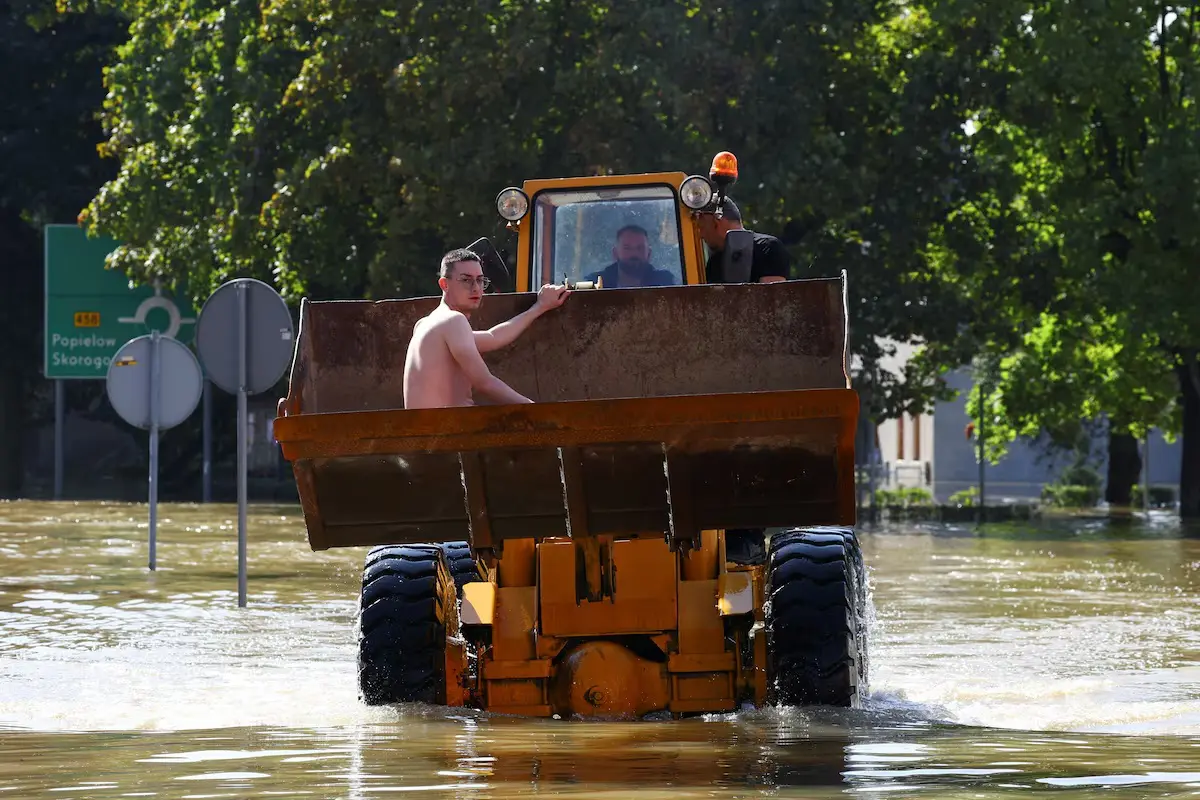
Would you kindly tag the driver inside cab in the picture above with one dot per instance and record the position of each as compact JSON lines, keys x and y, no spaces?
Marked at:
{"x":632,"y":266}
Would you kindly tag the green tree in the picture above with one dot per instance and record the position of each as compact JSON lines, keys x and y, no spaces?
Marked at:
{"x":1106,"y":96}
{"x":337,"y":149}
{"x":1068,"y":373}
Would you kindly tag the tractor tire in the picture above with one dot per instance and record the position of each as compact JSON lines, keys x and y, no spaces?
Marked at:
{"x":463,"y":566}
{"x":746,"y":546}
{"x":816,"y":618}
{"x":406,"y":611}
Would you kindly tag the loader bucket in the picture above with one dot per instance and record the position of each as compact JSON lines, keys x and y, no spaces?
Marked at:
{"x":661,"y":411}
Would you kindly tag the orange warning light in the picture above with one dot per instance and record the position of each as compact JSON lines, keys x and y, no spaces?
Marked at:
{"x":724,"y":165}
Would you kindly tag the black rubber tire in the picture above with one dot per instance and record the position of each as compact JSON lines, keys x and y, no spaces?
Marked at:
{"x":746,"y":546}
{"x":463,"y":566}
{"x":401,"y":628}
{"x":402,"y":620}
{"x":816,"y":618}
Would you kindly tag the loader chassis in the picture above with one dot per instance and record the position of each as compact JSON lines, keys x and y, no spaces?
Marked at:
{"x":567,"y":557}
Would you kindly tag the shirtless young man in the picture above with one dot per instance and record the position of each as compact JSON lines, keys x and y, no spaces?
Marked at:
{"x":444,"y":365}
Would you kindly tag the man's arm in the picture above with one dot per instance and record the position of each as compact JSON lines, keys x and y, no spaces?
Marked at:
{"x":461,"y":342}
{"x":507,"y":332}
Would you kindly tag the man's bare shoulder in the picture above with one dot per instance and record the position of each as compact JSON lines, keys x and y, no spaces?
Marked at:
{"x":446,"y":320}
{"x":446,"y":316}
{"x":440,"y":320}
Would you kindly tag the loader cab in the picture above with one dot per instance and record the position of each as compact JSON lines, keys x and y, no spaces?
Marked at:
{"x":577,"y":229}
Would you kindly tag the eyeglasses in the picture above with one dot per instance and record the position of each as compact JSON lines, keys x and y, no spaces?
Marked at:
{"x":481,"y":282}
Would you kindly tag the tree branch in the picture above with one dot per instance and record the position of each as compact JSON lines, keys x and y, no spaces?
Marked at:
{"x":1108,"y":151}
{"x":1164,"y":79}
{"x":1185,"y":61}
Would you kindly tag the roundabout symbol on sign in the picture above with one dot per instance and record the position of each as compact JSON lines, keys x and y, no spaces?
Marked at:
{"x":158,"y":301}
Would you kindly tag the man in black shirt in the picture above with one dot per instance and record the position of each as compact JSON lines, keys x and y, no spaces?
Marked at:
{"x":770,"y":261}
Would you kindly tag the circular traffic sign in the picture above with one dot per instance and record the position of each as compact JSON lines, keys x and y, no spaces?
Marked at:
{"x":131,"y":380}
{"x":267,"y":346}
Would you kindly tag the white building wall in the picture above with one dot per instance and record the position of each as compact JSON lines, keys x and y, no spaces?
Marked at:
{"x":932,"y":450}
{"x":905,"y":445}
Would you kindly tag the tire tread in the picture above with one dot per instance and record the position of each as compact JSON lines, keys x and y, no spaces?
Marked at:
{"x":815,"y":589}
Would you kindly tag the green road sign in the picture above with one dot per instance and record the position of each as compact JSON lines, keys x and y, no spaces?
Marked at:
{"x":91,"y":311}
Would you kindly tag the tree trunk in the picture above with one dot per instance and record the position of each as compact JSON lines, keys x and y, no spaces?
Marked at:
{"x":1189,"y":476}
{"x":12,"y":432}
{"x":20,"y":327}
{"x":1124,"y":468}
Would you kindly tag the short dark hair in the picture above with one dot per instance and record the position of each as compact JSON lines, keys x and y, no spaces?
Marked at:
{"x":729,"y":209}
{"x":632,"y":229}
{"x":455,"y":256}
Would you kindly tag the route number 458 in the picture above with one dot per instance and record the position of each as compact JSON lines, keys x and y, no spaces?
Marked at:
{"x":87,"y":319}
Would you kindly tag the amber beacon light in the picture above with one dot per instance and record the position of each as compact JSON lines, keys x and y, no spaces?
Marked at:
{"x":724,"y":171}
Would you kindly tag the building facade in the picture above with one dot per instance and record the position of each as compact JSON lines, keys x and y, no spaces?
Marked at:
{"x":933,"y":451}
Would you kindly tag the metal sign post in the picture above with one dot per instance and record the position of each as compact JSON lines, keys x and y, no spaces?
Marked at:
{"x":982,"y":453}
{"x":1146,"y":474}
{"x":155,"y":415}
{"x":244,"y":338}
{"x":60,"y":424}
{"x":154,"y":383}
{"x":242,"y":446}
{"x":206,"y":445}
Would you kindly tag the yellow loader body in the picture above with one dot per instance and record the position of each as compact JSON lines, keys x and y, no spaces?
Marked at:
{"x":569,"y":557}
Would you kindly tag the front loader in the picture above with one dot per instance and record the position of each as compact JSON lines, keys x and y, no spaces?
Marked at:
{"x":568,"y":557}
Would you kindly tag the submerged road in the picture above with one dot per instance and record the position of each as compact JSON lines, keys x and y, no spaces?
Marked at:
{"x":1025,"y":659}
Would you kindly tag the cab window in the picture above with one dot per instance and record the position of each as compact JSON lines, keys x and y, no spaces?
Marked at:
{"x":627,"y":235}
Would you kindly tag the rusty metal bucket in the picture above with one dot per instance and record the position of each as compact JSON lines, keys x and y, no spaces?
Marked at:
{"x":660,"y":411}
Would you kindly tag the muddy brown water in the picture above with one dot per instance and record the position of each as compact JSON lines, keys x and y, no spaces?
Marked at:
{"x":1053,"y":658}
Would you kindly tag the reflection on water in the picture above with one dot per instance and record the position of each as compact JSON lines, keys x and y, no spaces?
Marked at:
{"x":1007,"y":661}
{"x":783,"y":753}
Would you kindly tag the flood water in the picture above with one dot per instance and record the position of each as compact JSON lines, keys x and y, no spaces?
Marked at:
{"x":1058,"y":659}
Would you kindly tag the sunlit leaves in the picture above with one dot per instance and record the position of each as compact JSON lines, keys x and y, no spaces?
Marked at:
{"x":1094,"y":140}
{"x":1071,"y":371}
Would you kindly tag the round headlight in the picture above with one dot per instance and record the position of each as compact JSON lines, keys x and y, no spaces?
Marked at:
{"x":512,"y":203}
{"x":696,"y":192}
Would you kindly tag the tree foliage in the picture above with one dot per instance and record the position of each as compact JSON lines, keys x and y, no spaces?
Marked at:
{"x":1096,"y":121}
{"x":1067,"y":373}
{"x":338,"y":149}
{"x":1006,"y":178}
